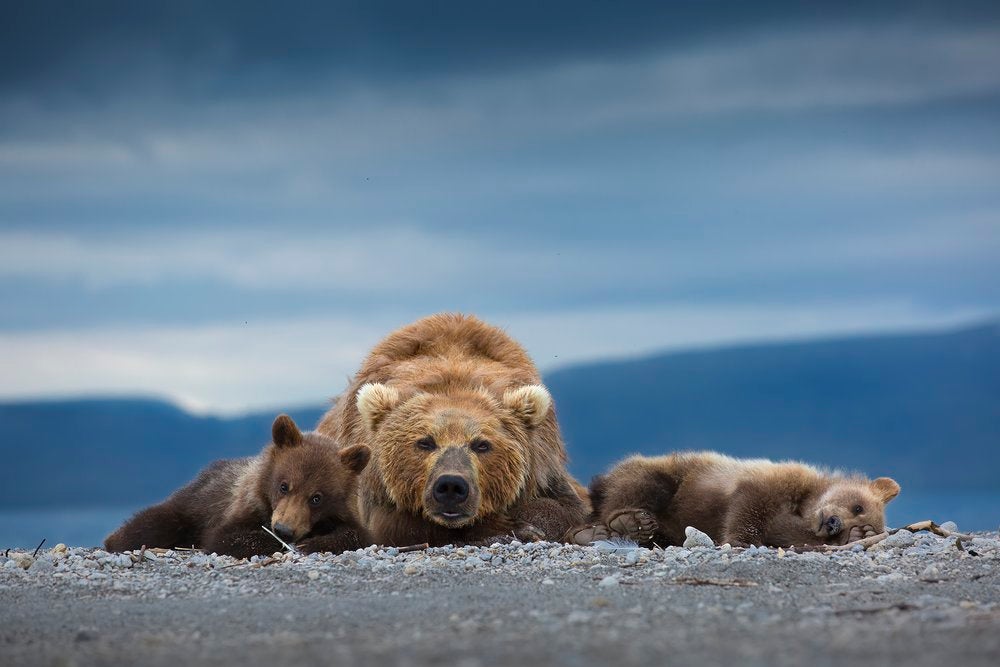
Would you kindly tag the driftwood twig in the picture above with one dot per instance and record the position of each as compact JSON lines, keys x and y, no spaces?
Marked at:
{"x":899,"y":606}
{"x":413,"y":547}
{"x":698,"y":581}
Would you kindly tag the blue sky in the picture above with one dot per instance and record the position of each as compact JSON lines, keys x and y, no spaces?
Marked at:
{"x":228,"y":207}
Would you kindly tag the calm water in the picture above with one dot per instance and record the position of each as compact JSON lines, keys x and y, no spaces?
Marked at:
{"x":88,"y":527}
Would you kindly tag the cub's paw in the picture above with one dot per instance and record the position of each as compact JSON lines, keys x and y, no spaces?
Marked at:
{"x":587,"y":534}
{"x":860,"y":533}
{"x":633,"y":524}
{"x":526,"y":532}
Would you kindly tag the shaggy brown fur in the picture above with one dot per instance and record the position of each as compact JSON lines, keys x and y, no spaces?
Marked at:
{"x":465,"y":443}
{"x":739,"y":501}
{"x":301,"y":485}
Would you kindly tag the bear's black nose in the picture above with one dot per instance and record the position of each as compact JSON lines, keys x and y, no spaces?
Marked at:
{"x":834,"y":525}
{"x":283,"y":531}
{"x":451,"y":490}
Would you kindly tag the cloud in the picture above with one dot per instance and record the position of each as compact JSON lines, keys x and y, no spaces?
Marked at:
{"x":303,"y":362}
{"x":387,"y":261}
{"x":812,"y":68}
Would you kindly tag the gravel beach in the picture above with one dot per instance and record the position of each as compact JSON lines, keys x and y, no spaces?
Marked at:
{"x":916,"y":599}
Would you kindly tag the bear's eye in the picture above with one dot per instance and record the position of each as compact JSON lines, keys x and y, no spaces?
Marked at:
{"x":427,"y":444}
{"x":316,"y":499}
{"x":481,"y":446}
{"x":858,"y":509}
{"x":283,"y":488}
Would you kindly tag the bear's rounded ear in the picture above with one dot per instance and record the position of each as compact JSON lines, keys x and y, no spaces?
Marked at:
{"x":355,"y":458}
{"x":885,"y":488}
{"x":284,"y":432}
{"x":375,"y":401}
{"x":530,"y":403}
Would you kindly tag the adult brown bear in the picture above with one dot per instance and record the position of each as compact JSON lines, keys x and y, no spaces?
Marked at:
{"x":465,"y":444}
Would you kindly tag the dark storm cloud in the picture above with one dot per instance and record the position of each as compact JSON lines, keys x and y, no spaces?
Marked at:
{"x":94,"y":49}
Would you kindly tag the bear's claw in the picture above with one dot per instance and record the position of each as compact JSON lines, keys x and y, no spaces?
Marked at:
{"x":860,"y":533}
{"x":526,"y":532}
{"x":638,"y":525}
{"x":588,"y":534}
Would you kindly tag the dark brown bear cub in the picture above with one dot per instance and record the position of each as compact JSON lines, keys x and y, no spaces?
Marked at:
{"x":301,"y":485}
{"x":739,"y":501}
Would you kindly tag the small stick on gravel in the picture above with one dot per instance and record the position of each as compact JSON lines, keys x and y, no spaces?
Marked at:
{"x":697,"y":581}
{"x":283,"y":543}
{"x":142,"y":554}
{"x":267,"y":561}
{"x":899,"y":606}
{"x":38,"y":548}
{"x":414,"y":547}
{"x":243,"y":562}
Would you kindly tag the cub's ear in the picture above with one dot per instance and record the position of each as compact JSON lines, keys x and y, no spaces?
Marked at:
{"x":375,"y":401}
{"x":885,"y":488}
{"x":284,"y":432}
{"x":530,"y":403}
{"x":355,"y":457}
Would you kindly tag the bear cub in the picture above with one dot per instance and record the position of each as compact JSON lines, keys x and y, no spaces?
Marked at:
{"x":302,"y":485}
{"x":740,"y":501}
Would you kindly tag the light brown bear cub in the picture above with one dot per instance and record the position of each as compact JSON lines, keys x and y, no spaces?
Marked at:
{"x":740,"y":501}
{"x":302,"y":485}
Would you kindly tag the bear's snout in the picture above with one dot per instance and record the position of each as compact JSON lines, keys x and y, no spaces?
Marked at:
{"x":283,"y":531}
{"x":451,"y":490}
{"x":833,"y":525}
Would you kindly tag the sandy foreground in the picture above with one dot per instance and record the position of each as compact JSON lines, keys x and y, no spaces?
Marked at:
{"x":915,"y":600}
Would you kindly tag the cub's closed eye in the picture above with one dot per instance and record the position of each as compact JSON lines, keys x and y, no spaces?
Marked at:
{"x":283,"y":488}
{"x":481,"y":446}
{"x":427,"y":444}
{"x":316,"y":499}
{"x":858,"y":509}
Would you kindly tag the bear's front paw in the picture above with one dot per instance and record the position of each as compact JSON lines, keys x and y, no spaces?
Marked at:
{"x":526,"y":532}
{"x":860,"y":533}
{"x":588,"y":534}
{"x":638,"y":525}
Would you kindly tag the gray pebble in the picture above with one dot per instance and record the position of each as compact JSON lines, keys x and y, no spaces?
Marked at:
{"x":903,"y":538}
{"x":696,"y":538}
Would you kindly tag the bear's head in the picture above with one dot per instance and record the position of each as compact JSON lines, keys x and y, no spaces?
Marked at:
{"x":310,"y":483}
{"x":453,"y":457}
{"x":850,"y":503}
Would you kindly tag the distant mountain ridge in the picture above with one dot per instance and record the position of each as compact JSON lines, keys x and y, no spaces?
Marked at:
{"x":923,"y":408}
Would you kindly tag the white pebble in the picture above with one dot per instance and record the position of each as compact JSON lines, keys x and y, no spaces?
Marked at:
{"x":610,"y":580}
{"x":696,"y":538}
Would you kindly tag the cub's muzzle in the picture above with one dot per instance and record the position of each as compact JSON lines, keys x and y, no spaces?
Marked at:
{"x":831,"y":526}
{"x":283,"y":531}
